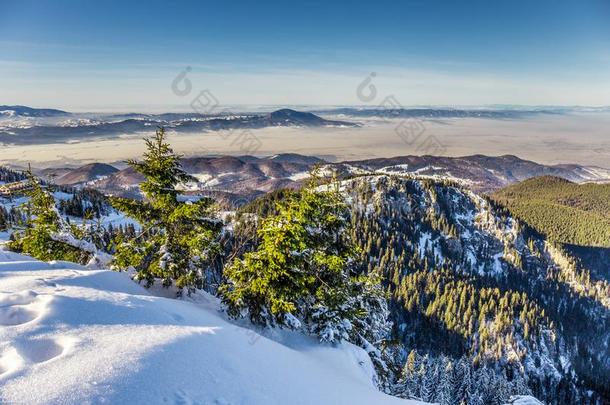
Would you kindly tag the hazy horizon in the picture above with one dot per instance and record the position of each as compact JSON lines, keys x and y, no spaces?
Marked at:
{"x":561,"y":139}
{"x":120,"y":57}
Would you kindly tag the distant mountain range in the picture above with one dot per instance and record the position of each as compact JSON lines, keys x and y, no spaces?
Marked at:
{"x":82,"y":175}
{"x":78,"y":127}
{"x":432,"y":113}
{"x":23,"y":111}
{"x":236,"y":178}
{"x":21,"y":125}
{"x":245,"y":177}
{"x":479,"y":172}
{"x":292,"y":117}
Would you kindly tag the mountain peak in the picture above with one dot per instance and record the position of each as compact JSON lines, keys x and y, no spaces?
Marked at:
{"x":286,"y":114}
{"x":86,"y":173}
{"x":24,"y":111}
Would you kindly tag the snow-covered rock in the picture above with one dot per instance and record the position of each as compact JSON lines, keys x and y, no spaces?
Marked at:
{"x":523,"y":400}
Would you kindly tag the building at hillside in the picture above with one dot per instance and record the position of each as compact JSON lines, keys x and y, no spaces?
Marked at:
{"x":9,"y":190}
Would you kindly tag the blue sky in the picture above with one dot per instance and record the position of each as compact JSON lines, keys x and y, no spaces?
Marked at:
{"x":106,"y":54}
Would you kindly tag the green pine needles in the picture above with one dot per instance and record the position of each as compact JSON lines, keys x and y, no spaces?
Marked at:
{"x":177,"y":242}
{"x":45,"y":228}
{"x":303,"y":272}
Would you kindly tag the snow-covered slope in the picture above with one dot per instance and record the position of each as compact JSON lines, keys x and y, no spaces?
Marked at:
{"x":72,"y":335}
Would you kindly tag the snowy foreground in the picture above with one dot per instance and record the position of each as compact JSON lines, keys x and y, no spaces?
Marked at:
{"x":73,"y":335}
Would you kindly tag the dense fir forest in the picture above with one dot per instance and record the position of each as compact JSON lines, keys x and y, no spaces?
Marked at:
{"x":8,"y":176}
{"x":466,"y":279}
{"x":566,"y":212}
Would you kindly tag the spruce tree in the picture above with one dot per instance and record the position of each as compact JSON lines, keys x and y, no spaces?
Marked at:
{"x":445,"y":389}
{"x":3,"y":219}
{"x":411,"y":374}
{"x":46,"y":235}
{"x":303,"y":273}
{"x":177,"y":241}
{"x":427,"y":388}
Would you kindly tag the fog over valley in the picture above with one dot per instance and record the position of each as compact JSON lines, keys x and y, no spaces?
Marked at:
{"x":549,"y":138}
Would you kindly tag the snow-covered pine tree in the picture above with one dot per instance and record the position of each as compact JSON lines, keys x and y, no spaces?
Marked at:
{"x":400,"y":388}
{"x":465,"y":373}
{"x":303,"y":273}
{"x":454,"y":384}
{"x":475,"y":398}
{"x":427,"y":389}
{"x":410,"y":379}
{"x":178,"y":239}
{"x":372,"y":330}
{"x":3,"y":219}
{"x":46,"y":235}
{"x":437,"y":376}
{"x":445,"y":388}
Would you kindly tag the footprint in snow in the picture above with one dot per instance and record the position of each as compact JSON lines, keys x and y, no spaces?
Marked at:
{"x":20,"y":308}
{"x":48,"y":283}
{"x":40,"y":350}
{"x":32,"y":351}
{"x":177,"y":317}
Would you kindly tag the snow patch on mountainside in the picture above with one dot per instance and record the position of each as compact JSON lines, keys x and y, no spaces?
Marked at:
{"x":593,"y":173}
{"x":523,"y":400}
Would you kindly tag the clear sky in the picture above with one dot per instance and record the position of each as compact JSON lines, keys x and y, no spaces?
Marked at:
{"x":104,"y":54}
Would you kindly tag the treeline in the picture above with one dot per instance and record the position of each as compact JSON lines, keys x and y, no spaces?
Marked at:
{"x":9,"y":176}
{"x":83,"y":203}
{"x":11,"y":217}
{"x":450,"y":381}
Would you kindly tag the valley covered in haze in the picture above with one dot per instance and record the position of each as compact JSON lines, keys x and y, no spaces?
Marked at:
{"x":545,"y":135}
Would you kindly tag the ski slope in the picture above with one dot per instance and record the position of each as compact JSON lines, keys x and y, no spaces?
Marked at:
{"x":69,"y":335}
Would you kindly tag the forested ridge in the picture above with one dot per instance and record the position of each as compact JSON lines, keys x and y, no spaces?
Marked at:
{"x":468,"y":279}
{"x":474,"y":292}
{"x":565,"y":212}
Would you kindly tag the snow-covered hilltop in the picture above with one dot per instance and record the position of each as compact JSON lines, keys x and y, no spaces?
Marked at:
{"x":72,"y":335}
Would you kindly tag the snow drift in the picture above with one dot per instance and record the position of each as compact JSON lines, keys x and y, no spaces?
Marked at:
{"x":72,"y":335}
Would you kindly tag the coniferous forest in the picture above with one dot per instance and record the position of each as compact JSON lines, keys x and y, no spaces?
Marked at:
{"x":474,"y":292}
{"x":565,"y":212}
